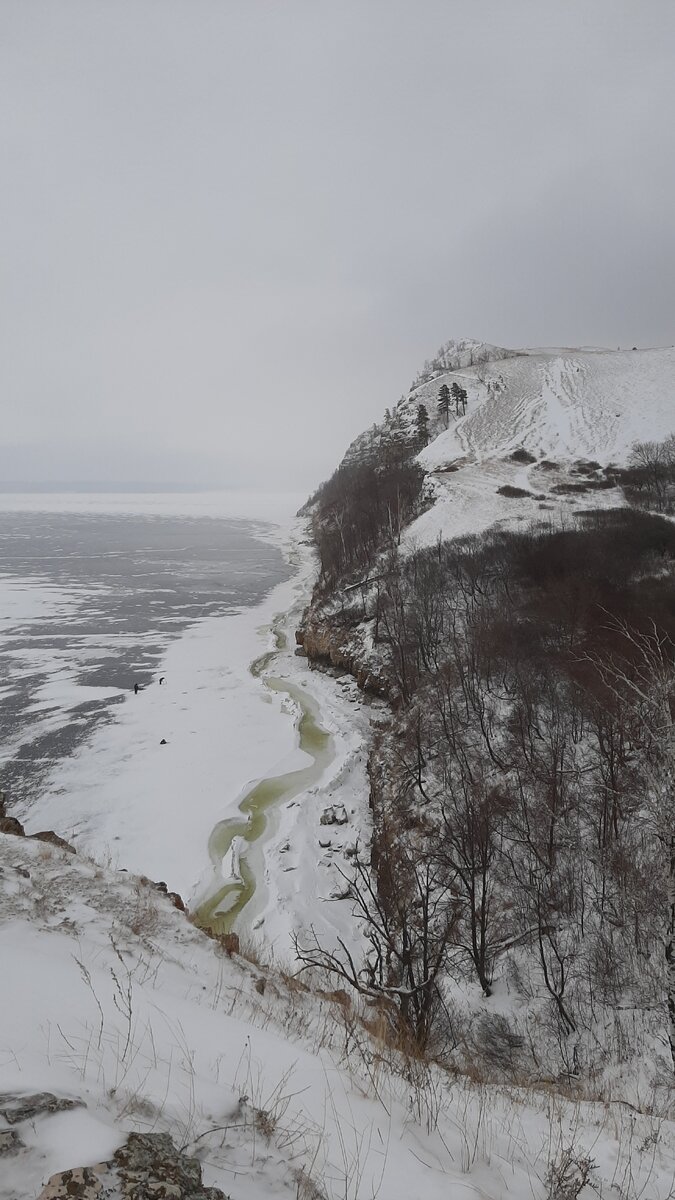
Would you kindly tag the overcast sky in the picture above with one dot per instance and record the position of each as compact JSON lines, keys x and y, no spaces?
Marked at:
{"x":231,"y":231}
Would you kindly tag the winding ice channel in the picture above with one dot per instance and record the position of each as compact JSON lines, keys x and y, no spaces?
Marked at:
{"x":225,"y":903}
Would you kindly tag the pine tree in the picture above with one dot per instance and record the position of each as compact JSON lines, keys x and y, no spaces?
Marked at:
{"x":444,"y":402}
{"x":459,"y":396}
{"x":422,"y":422}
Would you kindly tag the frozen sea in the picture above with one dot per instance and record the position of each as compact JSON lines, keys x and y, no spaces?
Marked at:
{"x":93,"y":590}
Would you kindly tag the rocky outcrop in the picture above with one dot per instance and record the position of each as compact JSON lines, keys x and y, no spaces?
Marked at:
{"x":11,"y":825}
{"x":327,"y":644}
{"x":14,"y":827}
{"x":22,"y":1110}
{"x":48,"y":835}
{"x":174,"y":897}
{"x":10,"y":1143}
{"x":148,"y":1165}
{"x":16,"y":1109}
{"x":335,"y":815}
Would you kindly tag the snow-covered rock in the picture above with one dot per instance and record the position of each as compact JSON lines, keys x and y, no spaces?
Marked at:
{"x":147,"y":1165}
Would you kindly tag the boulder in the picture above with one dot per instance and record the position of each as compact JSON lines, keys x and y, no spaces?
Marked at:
{"x":81,"y":1183}
{"x":10,"y":1143}
{"x":177,"y":901}
{"x":161,"y":886}
{"x":11,"y":825}
{"x":148,"y":1165}
{"x":335,"y":815}
{"x":48,"y":835}
{"x":16,"y":1109}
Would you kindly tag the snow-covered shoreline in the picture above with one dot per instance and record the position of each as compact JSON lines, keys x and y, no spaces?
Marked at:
{"x":148,"y":806}
{"x":147,"y":789}
{"x":297,"y":862}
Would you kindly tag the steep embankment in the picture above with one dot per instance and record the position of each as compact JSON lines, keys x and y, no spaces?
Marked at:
{"x":543,"y":435}
{"x":495,"y":578}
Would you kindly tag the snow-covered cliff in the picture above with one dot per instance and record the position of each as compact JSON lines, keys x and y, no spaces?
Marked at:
{"x":540,"y":423}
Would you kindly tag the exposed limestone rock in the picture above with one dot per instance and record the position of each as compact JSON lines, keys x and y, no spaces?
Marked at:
{"x":11,"y":825}
{"x":10,"y":1143}
{"x":335,"y":815}
{"x":328,"y":645}
{"x":174,"y":897}
{"x":83,"y":1183}
{"x":48,"y":835}
{"x":16,"y":1109}
{"x":148,"y":1165}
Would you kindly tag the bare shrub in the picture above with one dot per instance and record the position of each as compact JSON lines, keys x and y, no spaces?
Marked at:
{"x":568,"y":1175}
{"x":521,"y":455}
{"x":496,"y":1040}
{"x":514,"y":493}
{"x":145,"y":919}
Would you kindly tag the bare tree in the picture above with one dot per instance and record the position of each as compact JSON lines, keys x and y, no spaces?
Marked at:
{"x":407,"y":917}
{"x":642,"y":674}
{"x":652,"y":473}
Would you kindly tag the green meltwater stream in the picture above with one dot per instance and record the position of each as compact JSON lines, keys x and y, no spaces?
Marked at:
{"x":225,"y":903}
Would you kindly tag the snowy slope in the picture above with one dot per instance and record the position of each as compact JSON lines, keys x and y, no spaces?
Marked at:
{"x":560,"y":406}
{"x":113,"y":1000}
{"x":559,"y":403}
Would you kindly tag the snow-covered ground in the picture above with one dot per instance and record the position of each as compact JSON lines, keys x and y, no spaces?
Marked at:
{"x":559,"y":406}
{"x":148,"y":787}
{"x":297,"y":862}
{"x":91,"y":597}
{"x":467,"y":498}
{"x":559,"y":403}
{"x":112,"y":999}
{"x":148,"y":806}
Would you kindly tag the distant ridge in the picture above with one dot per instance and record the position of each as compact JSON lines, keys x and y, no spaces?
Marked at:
{"x":532,"y":417}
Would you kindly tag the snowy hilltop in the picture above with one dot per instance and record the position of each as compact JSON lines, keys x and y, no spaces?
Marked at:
{"x":540,"y":423}
{"x":458,"y":353}
{"x":559,"y":403}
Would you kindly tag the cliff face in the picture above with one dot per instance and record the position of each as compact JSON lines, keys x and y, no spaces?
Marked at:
{"x":538,"y":435}
{"x":327,"y":644}
{"x":463,"y":545}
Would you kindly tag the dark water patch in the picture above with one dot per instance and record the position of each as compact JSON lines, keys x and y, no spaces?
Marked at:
{"x":114,"y":590}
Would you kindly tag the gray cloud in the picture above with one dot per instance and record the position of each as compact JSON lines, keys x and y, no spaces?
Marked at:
{"x":231,"y":230}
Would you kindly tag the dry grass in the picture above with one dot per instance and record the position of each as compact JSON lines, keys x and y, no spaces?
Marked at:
{"x":145,"y":919}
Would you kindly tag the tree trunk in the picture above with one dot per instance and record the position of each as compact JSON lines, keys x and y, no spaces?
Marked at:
{"x":670,"y":950}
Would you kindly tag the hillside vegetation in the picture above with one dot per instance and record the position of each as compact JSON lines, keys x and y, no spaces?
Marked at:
{"x":518,"y":610}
